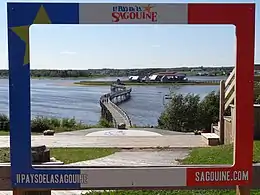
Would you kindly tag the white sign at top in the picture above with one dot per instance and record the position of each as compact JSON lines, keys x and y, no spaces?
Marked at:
{"x":133,"y":13}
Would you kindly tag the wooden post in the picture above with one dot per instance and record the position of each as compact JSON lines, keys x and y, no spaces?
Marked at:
{"x":17,"y":192}
{"x":40,"y":154}
{"x":221,"y":111}
{"x":24,"y":192}
{"x":242,"y":190}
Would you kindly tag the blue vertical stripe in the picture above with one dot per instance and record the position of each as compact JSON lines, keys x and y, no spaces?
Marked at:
{"x":23,"y":14}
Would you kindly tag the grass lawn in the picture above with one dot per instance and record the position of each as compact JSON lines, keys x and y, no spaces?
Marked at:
{"x":2,"y":133}
{"x":213,"y":155}
{"x":68,"y":155}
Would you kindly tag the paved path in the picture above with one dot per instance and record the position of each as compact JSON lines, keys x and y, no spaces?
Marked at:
{"x":139,"y":158}
{"x":160,"y":131}
{"x":126,"y":158}
{"x":123,"y":132}
{"x":119,"y":117}
{"x":173,"y":141}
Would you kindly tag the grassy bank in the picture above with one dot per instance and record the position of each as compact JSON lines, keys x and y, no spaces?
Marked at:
{"x":213,"y":155}
{"x":68,"y":155}
{"x":65,"y":78}
{"x":129,"y":83}
{"x":40,"y":124}
{"x":3,"y":133}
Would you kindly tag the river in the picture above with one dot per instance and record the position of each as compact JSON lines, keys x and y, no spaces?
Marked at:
{"x":58,"y":98}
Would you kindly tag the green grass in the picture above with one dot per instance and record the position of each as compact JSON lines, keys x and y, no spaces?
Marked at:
{"x":214,"y":155}
{"x":68,"y":155}
{"x":217,"y":155}
{"x":129,"y":83}
{"x":3,"y":133}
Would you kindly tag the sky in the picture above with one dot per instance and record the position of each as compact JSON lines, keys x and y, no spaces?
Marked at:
{"x":128,"y":46}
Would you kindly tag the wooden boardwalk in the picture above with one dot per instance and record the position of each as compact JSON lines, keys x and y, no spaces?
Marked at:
{"x":118,"y":114}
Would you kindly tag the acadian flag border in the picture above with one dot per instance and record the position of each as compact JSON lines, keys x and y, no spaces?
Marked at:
{"x":22,"y":15}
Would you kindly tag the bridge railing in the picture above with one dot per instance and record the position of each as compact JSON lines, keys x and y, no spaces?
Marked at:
{"x":117,"y":108}
{"x":122,"y":113}
{"x":111,"y":96}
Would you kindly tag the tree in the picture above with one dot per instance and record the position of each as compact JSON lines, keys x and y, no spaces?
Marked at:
{"x":180,"y":113}
{"x":208,"y":111}
{"x":187,"y":113}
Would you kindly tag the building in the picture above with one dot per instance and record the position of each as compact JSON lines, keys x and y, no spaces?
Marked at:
{"x":135,"y":78}
{"x":154,"y":77}
{"x":168,"y":77}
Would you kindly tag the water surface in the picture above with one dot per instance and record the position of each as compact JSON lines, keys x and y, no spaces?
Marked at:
{"x":61,"y":99}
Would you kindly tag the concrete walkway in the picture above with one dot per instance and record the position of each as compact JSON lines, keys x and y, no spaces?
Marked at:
{"x":139,"y":158}
{"x":91,"y":130}
{"x":173,"y":141}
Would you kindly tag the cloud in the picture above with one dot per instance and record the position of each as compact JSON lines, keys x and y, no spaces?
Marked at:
{"x":68,"y":52}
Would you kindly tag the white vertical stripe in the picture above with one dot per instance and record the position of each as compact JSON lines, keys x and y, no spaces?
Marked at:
{"x":135,"y":177}
{"x":90,"y":13}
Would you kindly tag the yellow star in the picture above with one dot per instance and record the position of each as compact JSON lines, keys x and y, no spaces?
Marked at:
{"x":23,"y":31}
{"x":148,"y":8}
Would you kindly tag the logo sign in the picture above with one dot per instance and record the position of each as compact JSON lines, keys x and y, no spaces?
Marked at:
{"x":22,"y":15}
{"x":122,"y":13}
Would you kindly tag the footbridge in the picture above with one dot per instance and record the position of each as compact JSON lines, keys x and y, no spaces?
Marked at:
{"x":109,"y":105}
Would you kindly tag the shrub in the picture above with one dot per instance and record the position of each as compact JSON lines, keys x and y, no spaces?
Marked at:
{"x":40,"y":124}
{"x":208,"y":111}
{"x":180,"y":113}
{"x":55,"y":122}
{"x":188,"y":113}
{"x":105,"y":123}
{"x":68,"y":123}
{"x":4,"y":122}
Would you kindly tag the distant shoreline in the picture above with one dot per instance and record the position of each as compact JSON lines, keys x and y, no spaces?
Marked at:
{"x":58,"y":78}
{"x":129,"y":83}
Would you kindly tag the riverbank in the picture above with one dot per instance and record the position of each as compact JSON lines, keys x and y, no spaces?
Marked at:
{"x":129,"y":83}
{"x":40,"y":124}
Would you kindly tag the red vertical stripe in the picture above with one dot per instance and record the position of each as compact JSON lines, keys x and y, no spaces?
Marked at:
{"x":243,"y":17}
